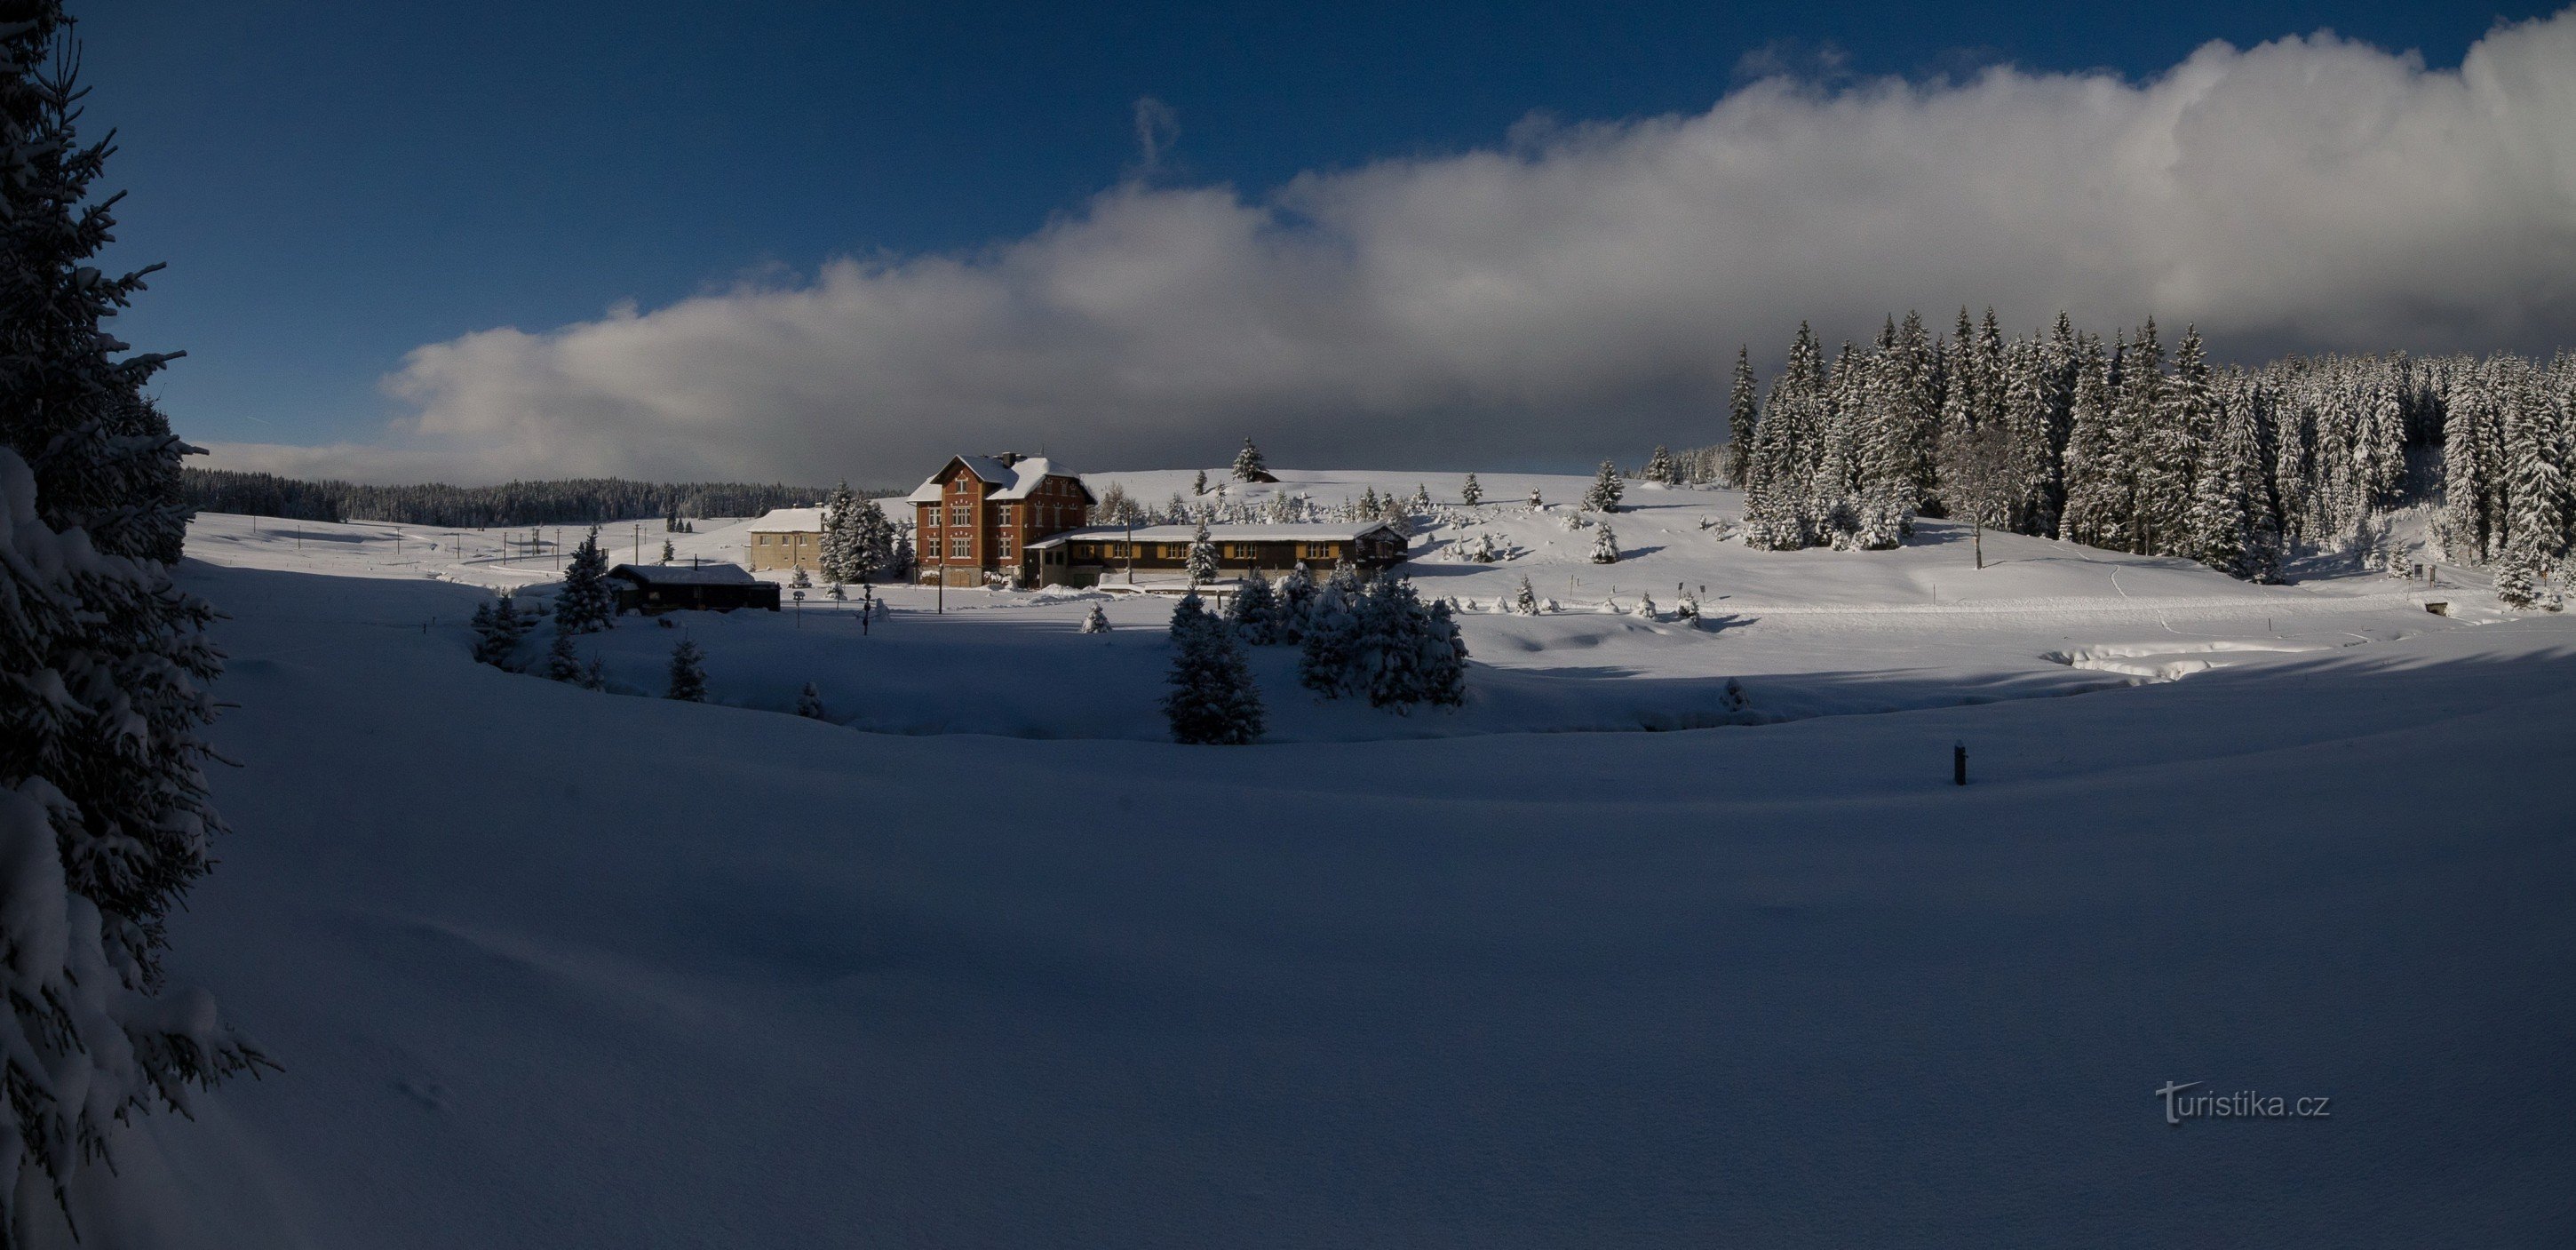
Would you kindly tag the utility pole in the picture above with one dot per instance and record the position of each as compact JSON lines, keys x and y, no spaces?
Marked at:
{"x":639,"y":542}
{"x":867,"y":606}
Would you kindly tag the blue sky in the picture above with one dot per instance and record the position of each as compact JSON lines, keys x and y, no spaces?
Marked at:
{"x":335,"y":185}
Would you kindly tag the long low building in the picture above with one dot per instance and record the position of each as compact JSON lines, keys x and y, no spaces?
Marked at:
{"x":1090,"y":556}
{"x":657,"y":588}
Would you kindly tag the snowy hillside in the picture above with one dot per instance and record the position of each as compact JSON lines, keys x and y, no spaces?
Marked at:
{"x":548,"y":966}
{"x":1802,"y":633}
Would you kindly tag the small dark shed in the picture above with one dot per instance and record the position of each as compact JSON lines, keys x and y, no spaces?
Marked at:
{"x":652,"y":588}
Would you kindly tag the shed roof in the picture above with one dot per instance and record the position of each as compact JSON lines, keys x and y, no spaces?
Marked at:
{"x":684,"y":574}
{"x":1293,"y":532}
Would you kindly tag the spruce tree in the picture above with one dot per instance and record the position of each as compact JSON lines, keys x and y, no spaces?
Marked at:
{"x":840,"y":534}
{"x":1095,"y":621}
{"x":1444,"y":659}
{"x":800,"y":580}
{"x":668,"y":552}
{"x":1330,"y":637}
{"x":1525,"y":601}
{"x":1254,"y":611}
{"x":588,"y":604}
{"x":1605,"y":545}
{"x":688,"y":674}
{"x":1741,"y":414}
{"x":561,"y":664}
{"x":1213,"y":700}
{"x":1470,"y":493}
{"x":1248,"y":464}
{"x":1198,"y":485}
{"x":1606,"y":490}
{"x":1536,"y":503}
{"x":809,"y":703}
{"x":497,"y":629}
{"x":1203,"y":562}
{"x":1296,"y":602}
{"x":1660,"y":467}
{"x":104,"y":667}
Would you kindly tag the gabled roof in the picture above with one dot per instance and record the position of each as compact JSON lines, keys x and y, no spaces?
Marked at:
{"x":1291,"y":532}
{"x":789,"y":520}
{"x":684,"y":574}
{"x":1017,"y":481}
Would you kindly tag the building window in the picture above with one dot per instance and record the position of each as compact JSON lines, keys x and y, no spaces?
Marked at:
{"x":961,"y":514}
{"x":1122,"y":551}
{"x":960,"y":546}
{"x":1316,"y":551}
{"x":1176,"y":551}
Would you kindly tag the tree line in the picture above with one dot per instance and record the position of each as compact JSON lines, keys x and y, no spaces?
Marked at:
{"x":2122,"y":445}
{"x":570,"y":501}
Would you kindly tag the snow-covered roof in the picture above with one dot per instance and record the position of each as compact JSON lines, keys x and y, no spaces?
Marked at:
{"x":710,"y":574}
{"x":1017,"y":480}
{"x":1293,"y":532}
{"x":788,"y":521}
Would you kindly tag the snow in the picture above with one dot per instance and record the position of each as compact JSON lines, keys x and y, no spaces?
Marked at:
{"x":788,"y":521}
{"x":1024,"y":974}
{"x":1293,"y":532}
{"x":1016,"y":480}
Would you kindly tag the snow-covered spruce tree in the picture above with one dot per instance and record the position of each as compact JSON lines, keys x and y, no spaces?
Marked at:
{"x":1198,"y":484}
{"x":2535,"y":485}
{"x":2092,"y":468}
{"x":1470,"y":493}
{"x":872,"y":543}
{"x":1296,"y":594}
{"x":561,"y":663}
{"x":1605,"y":546}
{"x":836,"y":592}
{"x":2469,"y":526}
{"x":1203,"y":563}
{"x":688,"y":674}
{"x":1660,"y":468}
{"x":587,"y":604}
{"x":1212,"y":700}
{"x":1646,"y":607}
{"x":668,"y":552}
{"x":1536,"y":503}
{"x":1525,"y":600}
{"x":1420,"y":503}
{"x":104,"y":664}
{"x":1444,"y":658}
{"x":1254,"y":611}
{"x":497,"y":630}
{"x":1330,"y":636}
{"x":809,"y":703}
{"x":1095,"y":621}
{"x":1741,"y":414}
{"x":1688,"y":608}
{"x":899,"y":558}
{"x":800,"y":580}
{"x":1248,"y":464}
{"x":840,"y":532}
{"x":2231,"y":524}
{"x":1606,"y":489}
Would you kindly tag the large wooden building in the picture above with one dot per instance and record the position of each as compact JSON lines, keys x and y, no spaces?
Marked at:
{"x":976,"y":518}
{"x":1156,"y":556}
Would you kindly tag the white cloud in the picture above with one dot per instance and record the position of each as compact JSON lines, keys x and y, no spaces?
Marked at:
{"x":1580,"y":290}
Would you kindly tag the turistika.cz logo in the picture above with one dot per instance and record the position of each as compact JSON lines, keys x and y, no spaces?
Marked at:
{"x":2245,"y":1104}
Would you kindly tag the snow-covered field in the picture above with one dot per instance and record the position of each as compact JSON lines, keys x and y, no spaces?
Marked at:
{"x":551,"y":967}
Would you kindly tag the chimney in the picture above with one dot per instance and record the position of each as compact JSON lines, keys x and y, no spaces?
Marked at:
{"x":1008,"y":458}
